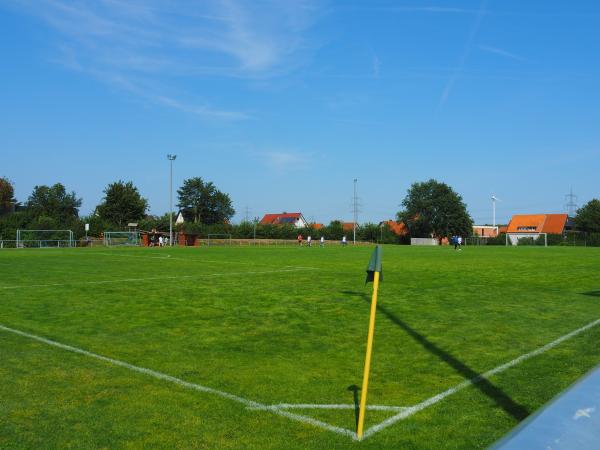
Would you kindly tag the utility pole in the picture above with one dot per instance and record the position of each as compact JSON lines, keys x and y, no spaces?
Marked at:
{"x":171,"y":158}
{"x":255,"y":223}
{"x":571,"y":205}
{"x":355,"y":215}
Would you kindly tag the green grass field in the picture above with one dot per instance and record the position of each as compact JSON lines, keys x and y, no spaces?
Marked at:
{"x":286,"y":327}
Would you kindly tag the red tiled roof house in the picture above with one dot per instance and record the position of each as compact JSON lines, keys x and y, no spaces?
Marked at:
{"x":296,"y":219}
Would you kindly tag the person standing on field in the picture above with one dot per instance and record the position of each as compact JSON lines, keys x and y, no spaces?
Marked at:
{"x":160,"y":241}
{"x":322,"y":241}
{"x":309,"y":240}
{"x":459,"y":239}
{"x":300,"y":240}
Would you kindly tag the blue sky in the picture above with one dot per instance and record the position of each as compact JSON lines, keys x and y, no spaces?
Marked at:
{"x":282,"y":104}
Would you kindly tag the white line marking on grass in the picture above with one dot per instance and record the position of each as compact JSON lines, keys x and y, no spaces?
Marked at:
{"x":173,"y":277}
{"x":333,"y":406}
{"x":244,"y":263}
{"x":277,"y":409}
{"x":453,"y":390}
{"x":186,"y":384}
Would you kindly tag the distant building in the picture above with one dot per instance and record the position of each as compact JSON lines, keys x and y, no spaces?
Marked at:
{"x":349,"y":226}
{"x":398,"y":228}
{"x":533,"y":225}
{"x":296,"y":219}
{"x":540,"y":223}
{"x":485,"y":231}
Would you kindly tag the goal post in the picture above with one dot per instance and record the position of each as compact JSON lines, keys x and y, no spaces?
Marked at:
{"x":219,"y":239}
{"x":44,"y":238}
{"x":116,"y":238}
{"x":523,"y":239}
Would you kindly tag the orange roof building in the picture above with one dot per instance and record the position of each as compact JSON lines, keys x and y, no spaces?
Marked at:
{"x":348,"y":226}
{"x":538,"y":223}
{"x":398,"y":228}
{"x":296,"y":219}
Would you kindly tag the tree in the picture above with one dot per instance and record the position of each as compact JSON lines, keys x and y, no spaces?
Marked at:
{"x":122,"y":203}
{"x":202,"y":202}
{"x":7,"y":196}
{"x":432,"y":208}
{"x":53,"y":202}
{"x":334,"y":231}
{"x":588,"y":217}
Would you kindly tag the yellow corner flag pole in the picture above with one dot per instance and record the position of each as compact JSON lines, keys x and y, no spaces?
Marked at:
{"x":373,"y":271}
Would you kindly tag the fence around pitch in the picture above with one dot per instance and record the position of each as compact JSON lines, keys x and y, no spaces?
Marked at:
{"x":94,"y":242}
{"x":568,"y":239}
{"x":48,"y":243}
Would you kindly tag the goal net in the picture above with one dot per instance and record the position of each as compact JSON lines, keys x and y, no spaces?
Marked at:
{"x":539,"y":239}
{"x":44,"y":238}
{"x":115,"y":238}
{"x":219,"y":239}
{"x":476,"y":240}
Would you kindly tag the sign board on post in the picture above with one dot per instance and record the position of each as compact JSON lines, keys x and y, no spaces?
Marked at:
{"x":87,"y":227}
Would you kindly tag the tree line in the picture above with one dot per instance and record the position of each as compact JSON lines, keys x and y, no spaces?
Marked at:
{"x":53,"y":208}
{"x":429,"y":209}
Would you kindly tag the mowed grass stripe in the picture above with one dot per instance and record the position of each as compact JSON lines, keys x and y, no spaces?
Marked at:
{"x":280,"y":408}
{"x":157,"y":278}
{"x":201,"y":260}
{"x":185,"y":384}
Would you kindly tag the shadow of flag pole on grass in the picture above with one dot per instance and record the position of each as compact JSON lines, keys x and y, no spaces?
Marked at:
{"x":374,"y":274}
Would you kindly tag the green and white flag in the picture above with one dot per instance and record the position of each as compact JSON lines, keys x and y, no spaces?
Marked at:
{"x":375,"y":265}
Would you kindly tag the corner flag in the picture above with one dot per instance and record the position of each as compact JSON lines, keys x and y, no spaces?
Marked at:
{"x":375,"y":265}
{"x":373,"y":274}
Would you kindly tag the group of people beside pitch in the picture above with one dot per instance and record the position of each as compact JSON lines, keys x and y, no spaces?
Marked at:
{"x":300,"y":239}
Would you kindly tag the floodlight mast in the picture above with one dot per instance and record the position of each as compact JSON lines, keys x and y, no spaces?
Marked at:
{"x":494,"y":200}
{"x":171,"y":158}
{"x":355,"y":214}
{"x":493,"y":210}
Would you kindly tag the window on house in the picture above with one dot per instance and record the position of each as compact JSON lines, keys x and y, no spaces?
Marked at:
{"x":526,"y":228}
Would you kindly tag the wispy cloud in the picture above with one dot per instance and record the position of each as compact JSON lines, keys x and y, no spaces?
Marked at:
{"x":150,"y":40}
{"x":285,"y":161}
{"x":501,"y":52}
{"x":376,"y":66}
{"x":465,"y":54}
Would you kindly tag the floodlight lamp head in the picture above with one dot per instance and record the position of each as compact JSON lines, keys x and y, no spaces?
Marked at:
{"x":171,"y":157}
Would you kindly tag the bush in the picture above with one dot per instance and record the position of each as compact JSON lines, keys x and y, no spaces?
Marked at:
{"x":498,"y":240}
{"x":526,"y":241}
{"x":10,"y":223}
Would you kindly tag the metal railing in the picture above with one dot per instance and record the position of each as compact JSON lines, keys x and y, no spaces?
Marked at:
{"x":48,"y":243}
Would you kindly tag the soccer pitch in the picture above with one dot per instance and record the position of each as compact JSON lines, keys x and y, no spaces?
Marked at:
{"x":229,"y":347}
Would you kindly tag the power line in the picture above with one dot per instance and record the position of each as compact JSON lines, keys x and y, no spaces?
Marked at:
{"x":571,"y":205}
